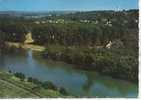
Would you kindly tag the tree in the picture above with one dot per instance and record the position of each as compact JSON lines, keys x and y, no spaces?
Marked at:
{"x":20,"y":75}
{"x":49,"y":85}
{"x":63,"y":91}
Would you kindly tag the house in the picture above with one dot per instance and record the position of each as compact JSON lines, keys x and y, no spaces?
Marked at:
{"x":108,"y":46}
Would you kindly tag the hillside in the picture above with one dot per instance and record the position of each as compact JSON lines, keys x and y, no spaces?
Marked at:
{"x":13,"y":87}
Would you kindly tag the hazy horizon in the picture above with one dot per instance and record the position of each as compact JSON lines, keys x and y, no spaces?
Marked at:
{"x":64,"y":10}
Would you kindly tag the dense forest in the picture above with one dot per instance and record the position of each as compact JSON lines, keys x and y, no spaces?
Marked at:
{"x":105,"y":41}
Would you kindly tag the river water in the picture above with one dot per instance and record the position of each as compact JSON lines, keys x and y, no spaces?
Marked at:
{"x":77,"y":82}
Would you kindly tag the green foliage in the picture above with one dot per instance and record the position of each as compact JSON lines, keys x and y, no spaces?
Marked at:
{"x":10,"y":71}
{"x":2,"y":41}
{"x":30,"y":79}
{"x":20,"y":75}
{"x":46,"y":85}
{"x":102,"y":27}
{"x":33,"y":80}
{"x":49,"y":85}
{"x":119,"y":63}
{"x":63,"y":91}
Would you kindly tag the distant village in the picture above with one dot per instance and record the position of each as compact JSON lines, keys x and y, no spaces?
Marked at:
{"x":107,"y":22}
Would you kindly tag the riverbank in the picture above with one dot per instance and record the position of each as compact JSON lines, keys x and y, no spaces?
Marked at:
{"x":117,"y":63}
{"x":26,"y":46}
{"x":22,"y":88}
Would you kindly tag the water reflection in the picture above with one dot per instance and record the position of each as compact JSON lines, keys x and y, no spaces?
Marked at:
{"x":30,"y":59}
{"x":88,"y":83}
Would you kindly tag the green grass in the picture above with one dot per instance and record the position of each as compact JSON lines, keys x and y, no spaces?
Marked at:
{"x":12,"y":87}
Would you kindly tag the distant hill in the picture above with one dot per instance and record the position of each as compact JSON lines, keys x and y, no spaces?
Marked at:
{"x":46,"y":13}
{"x":23,"y":13}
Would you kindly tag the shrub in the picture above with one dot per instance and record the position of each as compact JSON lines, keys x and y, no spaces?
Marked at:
{"x":63,"y":91}
{"x":33,"y":80}
{"x":20,"y":75}
{"x":49,"y":85}
{"x":30,"y":79}
{"x":10,"y":71}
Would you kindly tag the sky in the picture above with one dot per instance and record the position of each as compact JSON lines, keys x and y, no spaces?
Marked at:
{"x":59,"y":5}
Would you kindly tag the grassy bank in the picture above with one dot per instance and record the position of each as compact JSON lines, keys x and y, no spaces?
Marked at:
{"x":13,"y":87}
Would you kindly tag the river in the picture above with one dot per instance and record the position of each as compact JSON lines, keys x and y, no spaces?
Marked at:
{"x":77,"y":82}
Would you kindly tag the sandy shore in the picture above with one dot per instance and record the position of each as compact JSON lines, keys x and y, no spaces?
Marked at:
{"x":26,"y":46}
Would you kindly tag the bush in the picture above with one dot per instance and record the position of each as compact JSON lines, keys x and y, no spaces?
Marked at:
{"x":49,"y":85}
{"x":20,"y":75}
{"x":36,"y":88}
{"x":33,"y":80}
{"x":30,"y":79}
{"x":63,"y":91}
{"x":10,"y":71}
